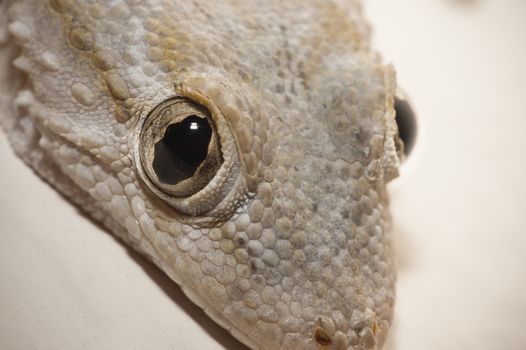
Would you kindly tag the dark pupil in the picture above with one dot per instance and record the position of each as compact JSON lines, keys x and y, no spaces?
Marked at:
{"x":406,"y":121}
{"x":182,"y":149}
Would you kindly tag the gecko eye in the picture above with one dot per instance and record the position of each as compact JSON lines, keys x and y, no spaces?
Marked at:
{"x":187,"y":156}
{"x":406,"y":121}
{"x":180,"y":150}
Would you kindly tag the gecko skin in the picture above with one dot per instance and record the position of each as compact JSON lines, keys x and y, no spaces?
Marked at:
{"x":242,"y":146}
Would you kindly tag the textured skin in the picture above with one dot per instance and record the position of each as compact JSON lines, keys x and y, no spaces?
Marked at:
{"x":296,"y":254}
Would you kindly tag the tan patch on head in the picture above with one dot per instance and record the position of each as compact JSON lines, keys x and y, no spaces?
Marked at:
{"x":103,"y":60}
{"x":81,"y":38}
{"x":335,"y":23}
{"x":83,"y":94}
{"x":60,"y":6}
{"x":117,"y":86}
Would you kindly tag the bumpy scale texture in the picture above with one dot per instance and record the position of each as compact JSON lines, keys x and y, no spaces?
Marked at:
{"x":297,"y":254}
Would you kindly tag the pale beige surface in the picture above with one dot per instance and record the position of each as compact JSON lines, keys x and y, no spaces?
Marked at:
{"x":459,"y":212}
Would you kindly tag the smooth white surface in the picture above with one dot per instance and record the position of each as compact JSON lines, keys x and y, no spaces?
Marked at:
{"x":459,"y":211}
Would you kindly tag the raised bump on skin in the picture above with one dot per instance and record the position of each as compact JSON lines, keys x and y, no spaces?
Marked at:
{"x":82,"y":94}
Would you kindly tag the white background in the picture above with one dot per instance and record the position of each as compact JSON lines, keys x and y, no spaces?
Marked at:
{"x":459,"y":211}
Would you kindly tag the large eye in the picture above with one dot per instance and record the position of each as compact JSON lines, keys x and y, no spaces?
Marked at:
{"x":187,"y":156}
{"x":180,"y":150}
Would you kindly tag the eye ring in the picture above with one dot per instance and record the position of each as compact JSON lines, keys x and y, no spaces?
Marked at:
{"x":217,"y":183}
{"x":180,"y":150}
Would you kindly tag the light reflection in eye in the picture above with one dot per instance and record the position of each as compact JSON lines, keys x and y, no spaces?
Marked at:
{"x":193,"y":126}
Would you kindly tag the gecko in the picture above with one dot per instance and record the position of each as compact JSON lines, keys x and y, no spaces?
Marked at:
{"x":243,"y":147}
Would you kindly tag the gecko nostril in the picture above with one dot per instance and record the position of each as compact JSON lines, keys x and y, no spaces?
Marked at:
{"x":321,"y":337}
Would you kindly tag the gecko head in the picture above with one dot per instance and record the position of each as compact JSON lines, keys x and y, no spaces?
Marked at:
{"x":290,"y":218}
{"x":247,"y":157}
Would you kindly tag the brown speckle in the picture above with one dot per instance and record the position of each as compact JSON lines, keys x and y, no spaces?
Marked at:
{"x":121,"y":115}
{"x":374,"y":327}
{"x":81,"y":38}
{"x":59,"y":5}
{"x":240,"y":241}
{"x":117,"y":86}
{"x":321,"y":337}
{"x":103,"y":60}
{"x":82,"y":94}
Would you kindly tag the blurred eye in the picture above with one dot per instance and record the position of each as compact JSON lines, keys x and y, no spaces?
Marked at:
{"x":406,"y":121}
{"x":180,"y":149}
